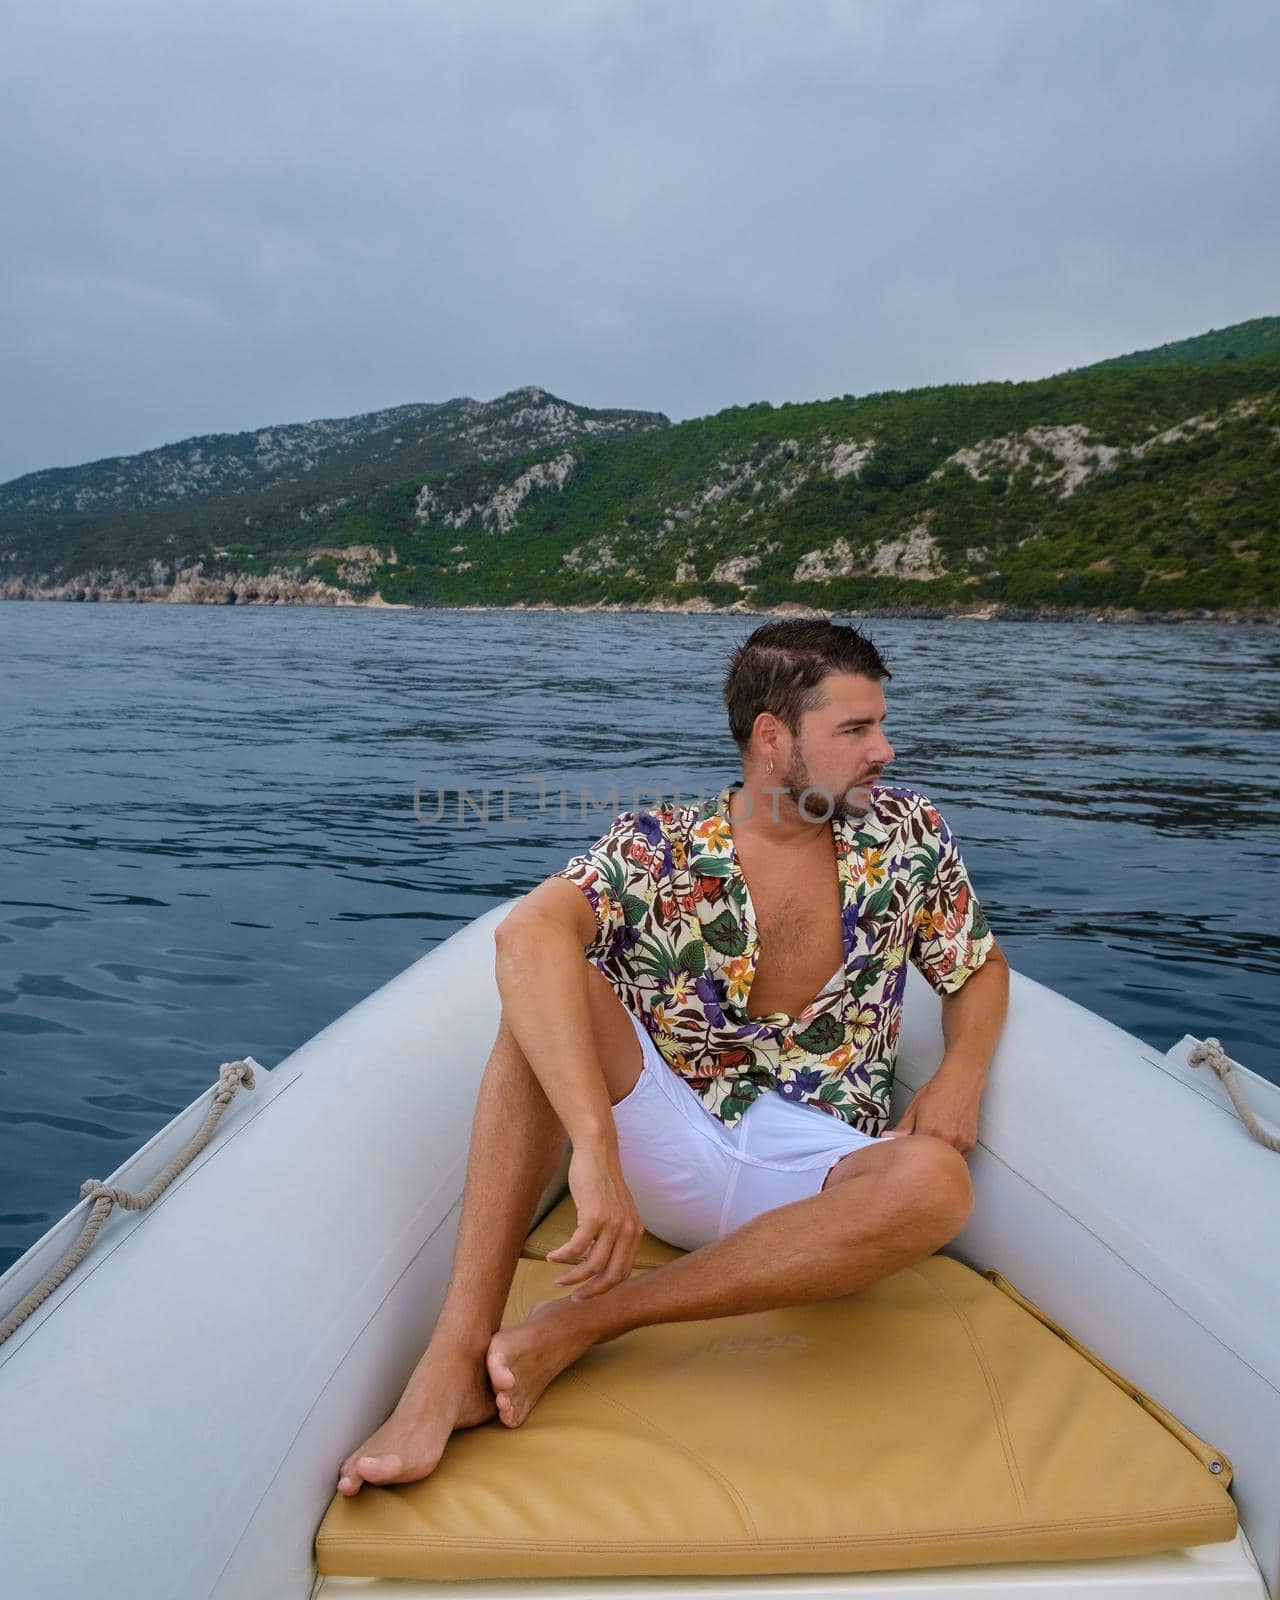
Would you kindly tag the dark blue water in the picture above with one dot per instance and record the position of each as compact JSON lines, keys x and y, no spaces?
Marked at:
{"x":210,"y":846}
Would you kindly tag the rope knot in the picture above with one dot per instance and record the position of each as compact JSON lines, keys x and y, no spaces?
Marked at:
{"x":1210,"y":1054}
{"x":233,"y":1073}
{"x":92,"y":1189}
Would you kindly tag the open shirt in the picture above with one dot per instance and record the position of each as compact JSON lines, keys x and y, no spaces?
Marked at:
{"x":677,"y":938}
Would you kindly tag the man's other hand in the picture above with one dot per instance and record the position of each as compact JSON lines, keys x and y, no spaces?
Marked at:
{"x":609,"y":1226}
{"x":946,"y":1108}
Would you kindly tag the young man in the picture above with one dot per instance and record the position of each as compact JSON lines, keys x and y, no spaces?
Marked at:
{"x":706,"y":1005}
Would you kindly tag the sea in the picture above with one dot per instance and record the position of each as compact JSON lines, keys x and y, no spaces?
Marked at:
{"x":221,"y":827}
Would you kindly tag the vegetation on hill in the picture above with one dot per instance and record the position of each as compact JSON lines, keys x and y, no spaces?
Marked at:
{"x":1260,"y":337}
{"x":1137,"y":484}
{"x":127,"y":512}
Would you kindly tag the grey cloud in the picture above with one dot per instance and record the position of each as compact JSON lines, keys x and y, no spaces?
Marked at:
{"x":227,"y":215}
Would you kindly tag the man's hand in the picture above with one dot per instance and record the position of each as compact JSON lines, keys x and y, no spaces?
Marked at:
{"x":972,"y":1017}
{"x":609,"y":1226}
{"x":946,"y":1107}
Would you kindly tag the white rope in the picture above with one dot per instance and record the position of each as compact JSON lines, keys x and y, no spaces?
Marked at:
{"x":231,"y":1074}
{"x":1211,"y":1054}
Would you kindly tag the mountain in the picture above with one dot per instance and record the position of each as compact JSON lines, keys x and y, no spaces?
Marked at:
{"x":1143,"y":487}
{"x":130,"y":509}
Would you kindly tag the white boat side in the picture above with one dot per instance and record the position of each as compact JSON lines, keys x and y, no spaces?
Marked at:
{"x":175,"y":1413}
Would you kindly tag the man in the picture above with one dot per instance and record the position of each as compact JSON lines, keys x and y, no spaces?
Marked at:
{"x":706,"y":1005}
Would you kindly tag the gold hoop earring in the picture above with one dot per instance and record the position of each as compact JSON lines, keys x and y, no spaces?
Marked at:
{"x":769,"y":768}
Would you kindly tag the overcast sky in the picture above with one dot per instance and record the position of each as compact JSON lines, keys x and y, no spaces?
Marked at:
{"x":222,"y":214}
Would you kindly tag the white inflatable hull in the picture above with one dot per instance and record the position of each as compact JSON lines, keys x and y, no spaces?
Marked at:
{"x":174,"y":1415}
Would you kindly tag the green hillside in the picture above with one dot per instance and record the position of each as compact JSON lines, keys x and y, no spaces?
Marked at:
{"x":1175,"y":505}
{"x":1261,"y":337}
{"x":1142,"y":484}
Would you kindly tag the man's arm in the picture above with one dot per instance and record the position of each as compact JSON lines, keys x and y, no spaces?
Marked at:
{"x":541,"y":970}
{"x":947,"y":1105}
{"x":973,"y":1017}
{"x":542,"y":977}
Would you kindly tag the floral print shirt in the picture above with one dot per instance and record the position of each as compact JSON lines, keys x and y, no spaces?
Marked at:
{"x":677,"y":938}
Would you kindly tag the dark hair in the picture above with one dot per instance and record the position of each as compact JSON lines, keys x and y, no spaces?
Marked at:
{"x":780,"y":668}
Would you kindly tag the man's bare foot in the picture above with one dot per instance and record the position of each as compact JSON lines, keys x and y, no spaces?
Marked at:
{"x":453,"y":1393}
{"x":523,"y":1359}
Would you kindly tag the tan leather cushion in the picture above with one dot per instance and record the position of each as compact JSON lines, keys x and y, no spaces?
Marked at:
{"x":929,"y":1420}
{"x":558,"y":1226}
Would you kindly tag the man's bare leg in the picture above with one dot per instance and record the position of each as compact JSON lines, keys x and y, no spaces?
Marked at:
{"x":883,"y":1208}
{"x":517,"y":1142}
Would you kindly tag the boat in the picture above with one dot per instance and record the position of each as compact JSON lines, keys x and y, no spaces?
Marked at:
{"x":175,"y":1409}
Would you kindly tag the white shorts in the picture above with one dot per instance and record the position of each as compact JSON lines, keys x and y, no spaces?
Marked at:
{"x":693,"y":1179}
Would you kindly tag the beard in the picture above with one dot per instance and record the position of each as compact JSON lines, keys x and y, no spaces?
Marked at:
{"x":796,"y":779}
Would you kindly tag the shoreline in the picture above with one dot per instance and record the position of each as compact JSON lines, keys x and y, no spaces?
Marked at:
{"x":996,"y":612}
{"x":324,"y":595}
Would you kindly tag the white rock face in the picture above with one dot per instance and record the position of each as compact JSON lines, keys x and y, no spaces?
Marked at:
{"x":240,"y":588}
{"x":553,"y":419}
{"x":357,"y":563}
{"x":1180,"y":430}
{"x":502,"y":509}
{"x":848,"y":457}
{"x":1194,"y":425}
{"x":915,"y":555}
{"x":835,"y":561}
{"x":785,"y":466}
{"x":739,"y":476}
{"x":1077,"y":456}
{"x":496,"y":433}
{"x":431,"y":507}
{"x":498,"y":513}
{"x":733,"y":476}
{"x":599,"y":560}
{"x":734,"y":569}
{"x":357,"y":552}
{"x":698,"y":606}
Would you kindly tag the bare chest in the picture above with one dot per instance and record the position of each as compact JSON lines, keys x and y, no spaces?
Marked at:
{"x":798,"y":917}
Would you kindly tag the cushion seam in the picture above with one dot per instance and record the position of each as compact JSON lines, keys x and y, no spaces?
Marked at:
{"x":993,"y":1389}
{"x":836,"y":1542}
{"x":725,"y":1483}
